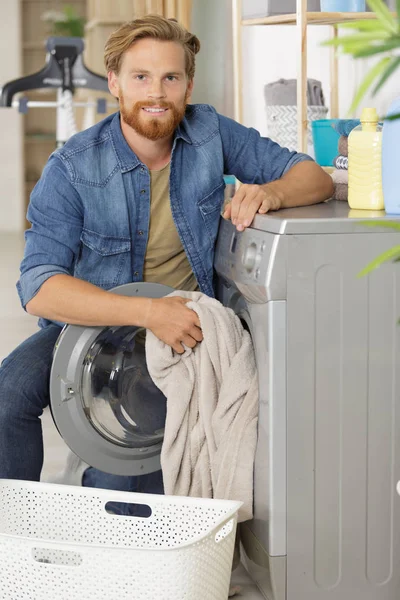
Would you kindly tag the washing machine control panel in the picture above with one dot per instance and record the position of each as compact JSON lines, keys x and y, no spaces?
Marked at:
{"x":253,"y":260}
{"x":251,"y":257}
{"x":243,"y":256}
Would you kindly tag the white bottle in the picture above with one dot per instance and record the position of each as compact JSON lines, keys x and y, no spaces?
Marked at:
{"x":365,"y":163}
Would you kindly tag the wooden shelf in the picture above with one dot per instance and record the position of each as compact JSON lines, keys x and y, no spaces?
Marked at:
{"x":313,"y":18}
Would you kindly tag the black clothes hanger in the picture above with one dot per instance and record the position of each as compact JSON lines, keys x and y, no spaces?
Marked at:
{"x":64,"y":69}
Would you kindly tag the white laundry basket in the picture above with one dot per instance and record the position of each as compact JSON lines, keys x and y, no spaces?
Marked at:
{"x":60,"y":542}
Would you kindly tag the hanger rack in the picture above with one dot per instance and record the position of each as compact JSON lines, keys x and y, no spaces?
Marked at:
{"x":65,"y":71}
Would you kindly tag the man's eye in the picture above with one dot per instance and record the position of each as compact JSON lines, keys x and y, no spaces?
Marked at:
{"x":140,"y":77}
{"x":171,"y":77}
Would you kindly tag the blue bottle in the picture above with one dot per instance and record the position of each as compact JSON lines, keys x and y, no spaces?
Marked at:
{"x":391,"y":161}
{"x":343,"y":6}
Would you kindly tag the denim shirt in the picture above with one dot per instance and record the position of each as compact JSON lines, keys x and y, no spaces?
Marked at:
{"x":90,"y":209}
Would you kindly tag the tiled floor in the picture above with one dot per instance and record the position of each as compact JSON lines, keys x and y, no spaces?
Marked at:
{"x":15,"y":326}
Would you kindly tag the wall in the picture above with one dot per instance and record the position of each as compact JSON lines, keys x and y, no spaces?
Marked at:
{"x":11,"y":124}
{"x":211,"y":22}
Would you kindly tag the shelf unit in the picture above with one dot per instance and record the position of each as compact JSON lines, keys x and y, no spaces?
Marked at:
{"x":301,"y":19}
{"x":316,"y":18}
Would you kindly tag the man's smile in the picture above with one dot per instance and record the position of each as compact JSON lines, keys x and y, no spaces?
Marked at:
{"x":154,"y":110}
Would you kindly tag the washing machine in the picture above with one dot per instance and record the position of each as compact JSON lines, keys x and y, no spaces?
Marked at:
{"x":102,"y":398}
{"x":326,"y":513}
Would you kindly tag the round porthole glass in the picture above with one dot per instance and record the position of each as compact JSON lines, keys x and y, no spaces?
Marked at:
{"x":119,"y":397}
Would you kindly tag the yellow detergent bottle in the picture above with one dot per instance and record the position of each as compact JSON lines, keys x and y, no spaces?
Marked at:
{"x":365,"y":163}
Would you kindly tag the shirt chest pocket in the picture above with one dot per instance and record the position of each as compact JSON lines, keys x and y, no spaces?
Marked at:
{"x":210,"y":208}
{"x":104,"y":261}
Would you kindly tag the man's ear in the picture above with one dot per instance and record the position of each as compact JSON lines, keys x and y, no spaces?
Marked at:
{"x":189,"y":90}
{"x":113,"y":84}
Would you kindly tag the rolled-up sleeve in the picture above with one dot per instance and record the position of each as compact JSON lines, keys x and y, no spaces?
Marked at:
{"x":53,"y":241}
{"x":253,"y":158}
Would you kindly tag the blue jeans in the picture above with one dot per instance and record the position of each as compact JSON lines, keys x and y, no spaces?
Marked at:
{"x":24,"y":393}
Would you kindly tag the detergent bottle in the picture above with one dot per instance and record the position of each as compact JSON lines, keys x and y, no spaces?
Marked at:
{"x":391,"y":160}
{"x":365,"y":163}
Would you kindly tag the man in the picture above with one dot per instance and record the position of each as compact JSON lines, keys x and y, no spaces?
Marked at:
{"x":136,"y":197}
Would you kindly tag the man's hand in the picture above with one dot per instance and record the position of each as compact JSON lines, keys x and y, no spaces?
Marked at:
{"x":249,"y":200}
{"x":303,"y":184}
{"x":173,"y":323}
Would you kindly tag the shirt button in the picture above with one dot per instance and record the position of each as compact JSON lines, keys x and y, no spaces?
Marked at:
{"x":142,"y":170}
{"x":142,"y":191}
{"x":136,"y":273}
{"x":140,"y":232}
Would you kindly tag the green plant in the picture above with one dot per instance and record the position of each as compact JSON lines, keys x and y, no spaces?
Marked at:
{"x":65,"y":23}
{"x":372,"y":37}
{"x":392,"y":254}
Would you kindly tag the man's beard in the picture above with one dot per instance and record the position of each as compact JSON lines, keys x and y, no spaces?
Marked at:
{"x":157,"y":128}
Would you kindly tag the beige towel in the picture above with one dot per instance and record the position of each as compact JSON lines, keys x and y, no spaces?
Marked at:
{"x":340,"y":179}
{"x":340,"y":176}
{"x":341,"y":192}
{"x":212,"y":407}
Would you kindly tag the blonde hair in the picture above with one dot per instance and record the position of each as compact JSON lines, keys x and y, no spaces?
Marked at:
{"x":150,"y":26}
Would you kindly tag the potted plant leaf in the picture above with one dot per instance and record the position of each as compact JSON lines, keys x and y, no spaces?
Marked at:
{"x":65,"y":23}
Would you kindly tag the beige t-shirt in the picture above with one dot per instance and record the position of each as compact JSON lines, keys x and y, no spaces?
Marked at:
{"x":165,"y":260}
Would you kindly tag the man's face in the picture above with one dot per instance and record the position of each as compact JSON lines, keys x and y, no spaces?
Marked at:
{"x":152,"y":87}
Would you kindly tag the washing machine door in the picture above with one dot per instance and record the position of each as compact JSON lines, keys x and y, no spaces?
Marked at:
{"x":103,"y":401}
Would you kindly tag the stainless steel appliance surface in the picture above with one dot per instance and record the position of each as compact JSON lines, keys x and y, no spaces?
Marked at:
{"x":326,"y":520}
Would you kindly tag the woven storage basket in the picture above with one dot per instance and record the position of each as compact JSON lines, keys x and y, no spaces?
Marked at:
{"x":60,"y":541}
{"x":282,"y":124}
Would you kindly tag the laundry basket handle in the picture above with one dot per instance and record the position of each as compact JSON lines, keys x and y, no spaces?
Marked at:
{"x":128,"y":509}
{"x":225,"y":529}
{"x":46,"y":556}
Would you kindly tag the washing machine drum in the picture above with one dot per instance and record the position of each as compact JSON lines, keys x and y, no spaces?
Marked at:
{"x":102,"y":398}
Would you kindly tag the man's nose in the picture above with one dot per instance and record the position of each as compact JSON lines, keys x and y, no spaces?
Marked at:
{"x":156,"y":89}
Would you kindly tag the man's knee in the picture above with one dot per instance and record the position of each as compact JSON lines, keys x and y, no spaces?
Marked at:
{"x":21,"y":396}
{"x":24,"y":377}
